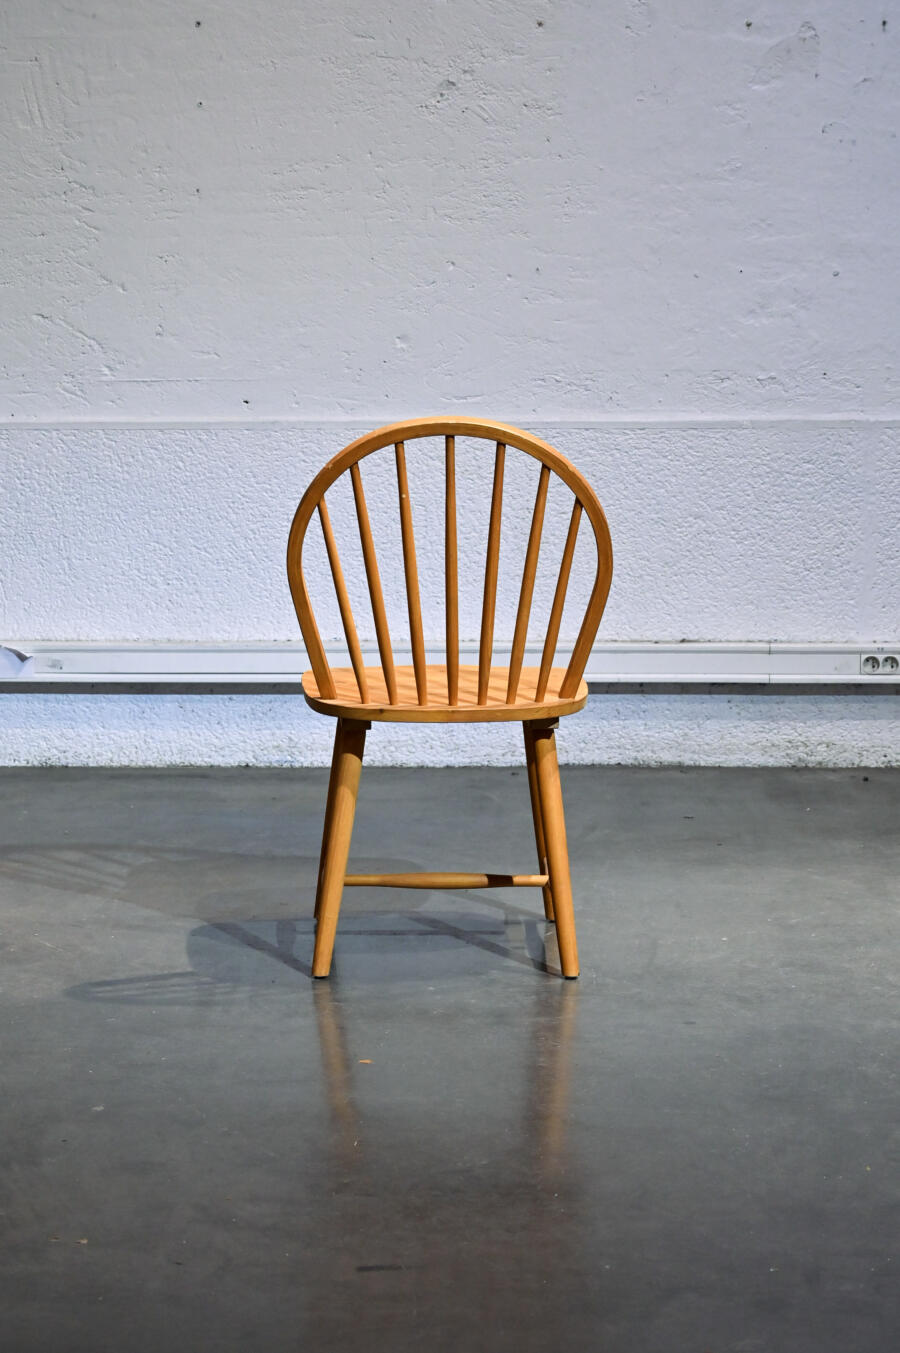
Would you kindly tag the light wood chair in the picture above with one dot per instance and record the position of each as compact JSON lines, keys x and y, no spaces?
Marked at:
{"x":358,"y":695}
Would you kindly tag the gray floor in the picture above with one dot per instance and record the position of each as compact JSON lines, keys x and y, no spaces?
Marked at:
{"x":445,"y":1146}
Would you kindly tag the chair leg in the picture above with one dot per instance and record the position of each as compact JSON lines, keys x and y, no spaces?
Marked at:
{"x":329,"y":812}
{"x":538,"y":817}
{"x":554,"y":823}
{"x":350,"y":741}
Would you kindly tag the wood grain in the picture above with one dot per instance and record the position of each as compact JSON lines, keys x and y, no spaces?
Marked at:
{"x":345,"y":703}
{"x":411,"y":575}
{"x":450,"y":693}
{"x":526,"y":591}
{"x":445,"y":880}
{"x":343,"y":599}
{"x":450,"y":429}
{"x":491,"y":566}
{"x":373,"y":579}
{"x":451,"y":575}
{"x":559,"y":600}
{"x":554,"y":822}
{"x":537,"y":816}
{"x":351,"y":741}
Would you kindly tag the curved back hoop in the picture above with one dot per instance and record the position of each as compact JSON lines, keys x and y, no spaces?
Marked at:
{"x":396,"y":435}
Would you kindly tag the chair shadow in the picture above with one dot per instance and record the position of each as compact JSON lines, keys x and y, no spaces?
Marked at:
{"x":230,"y":957}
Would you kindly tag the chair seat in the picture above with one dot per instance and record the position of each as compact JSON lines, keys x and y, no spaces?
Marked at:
{"x":346,"y":703}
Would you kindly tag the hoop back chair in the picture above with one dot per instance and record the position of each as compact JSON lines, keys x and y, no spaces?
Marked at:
{"x":451,"y":692}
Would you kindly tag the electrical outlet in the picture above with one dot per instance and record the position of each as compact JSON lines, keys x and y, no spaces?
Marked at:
{"x":879,"y":664}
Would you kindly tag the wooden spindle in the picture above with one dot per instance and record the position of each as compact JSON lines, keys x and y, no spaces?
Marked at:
{"x":346,"y":610}
{"x":527,"y":589}
{"x":413,"y":600}
{"x":451,"y":582}
{"x":559,"y":601}
{"x":485,"y":651}
{"x":374,"y":581}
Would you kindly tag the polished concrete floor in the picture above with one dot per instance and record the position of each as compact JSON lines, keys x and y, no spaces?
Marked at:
{"x":445,"y":1146}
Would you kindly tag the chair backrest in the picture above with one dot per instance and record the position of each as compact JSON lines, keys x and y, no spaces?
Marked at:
{"x":397,"y":435}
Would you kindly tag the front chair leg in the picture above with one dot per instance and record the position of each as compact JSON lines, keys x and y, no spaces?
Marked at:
{"x":537,"y":817}
{"x":350,"y":741}
{"x":554,"y":822}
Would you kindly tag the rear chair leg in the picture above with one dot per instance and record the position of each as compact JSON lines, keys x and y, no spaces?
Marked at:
{"x":538,"y":817}
{"x":329,"y":811}
{"x":350,"y":741}
{"x":554,"y":824}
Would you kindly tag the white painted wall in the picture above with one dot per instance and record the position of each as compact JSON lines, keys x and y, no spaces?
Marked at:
{"x":238,"y":235}
{"x":766,"y":531}
{"x":547,"y":210}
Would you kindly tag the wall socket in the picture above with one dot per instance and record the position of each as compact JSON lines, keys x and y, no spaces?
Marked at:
{"x":879,"y":664}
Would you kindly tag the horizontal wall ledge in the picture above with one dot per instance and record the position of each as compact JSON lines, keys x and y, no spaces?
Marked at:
{"x":633,"y":667}
{"x":367,"y":423}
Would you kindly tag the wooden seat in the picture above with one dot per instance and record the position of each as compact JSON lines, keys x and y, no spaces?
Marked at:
{"x":346,"y":702}
{"x":450,"y":692}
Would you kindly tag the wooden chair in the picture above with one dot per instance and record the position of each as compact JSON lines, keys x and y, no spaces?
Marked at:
{"x":450,"y":693}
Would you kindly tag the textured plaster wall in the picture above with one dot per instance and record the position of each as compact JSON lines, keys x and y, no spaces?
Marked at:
{"x":548,"y":210}
{"x":704,"y":730}
{"x":233,"y":231}
{"x":756,"y":532}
